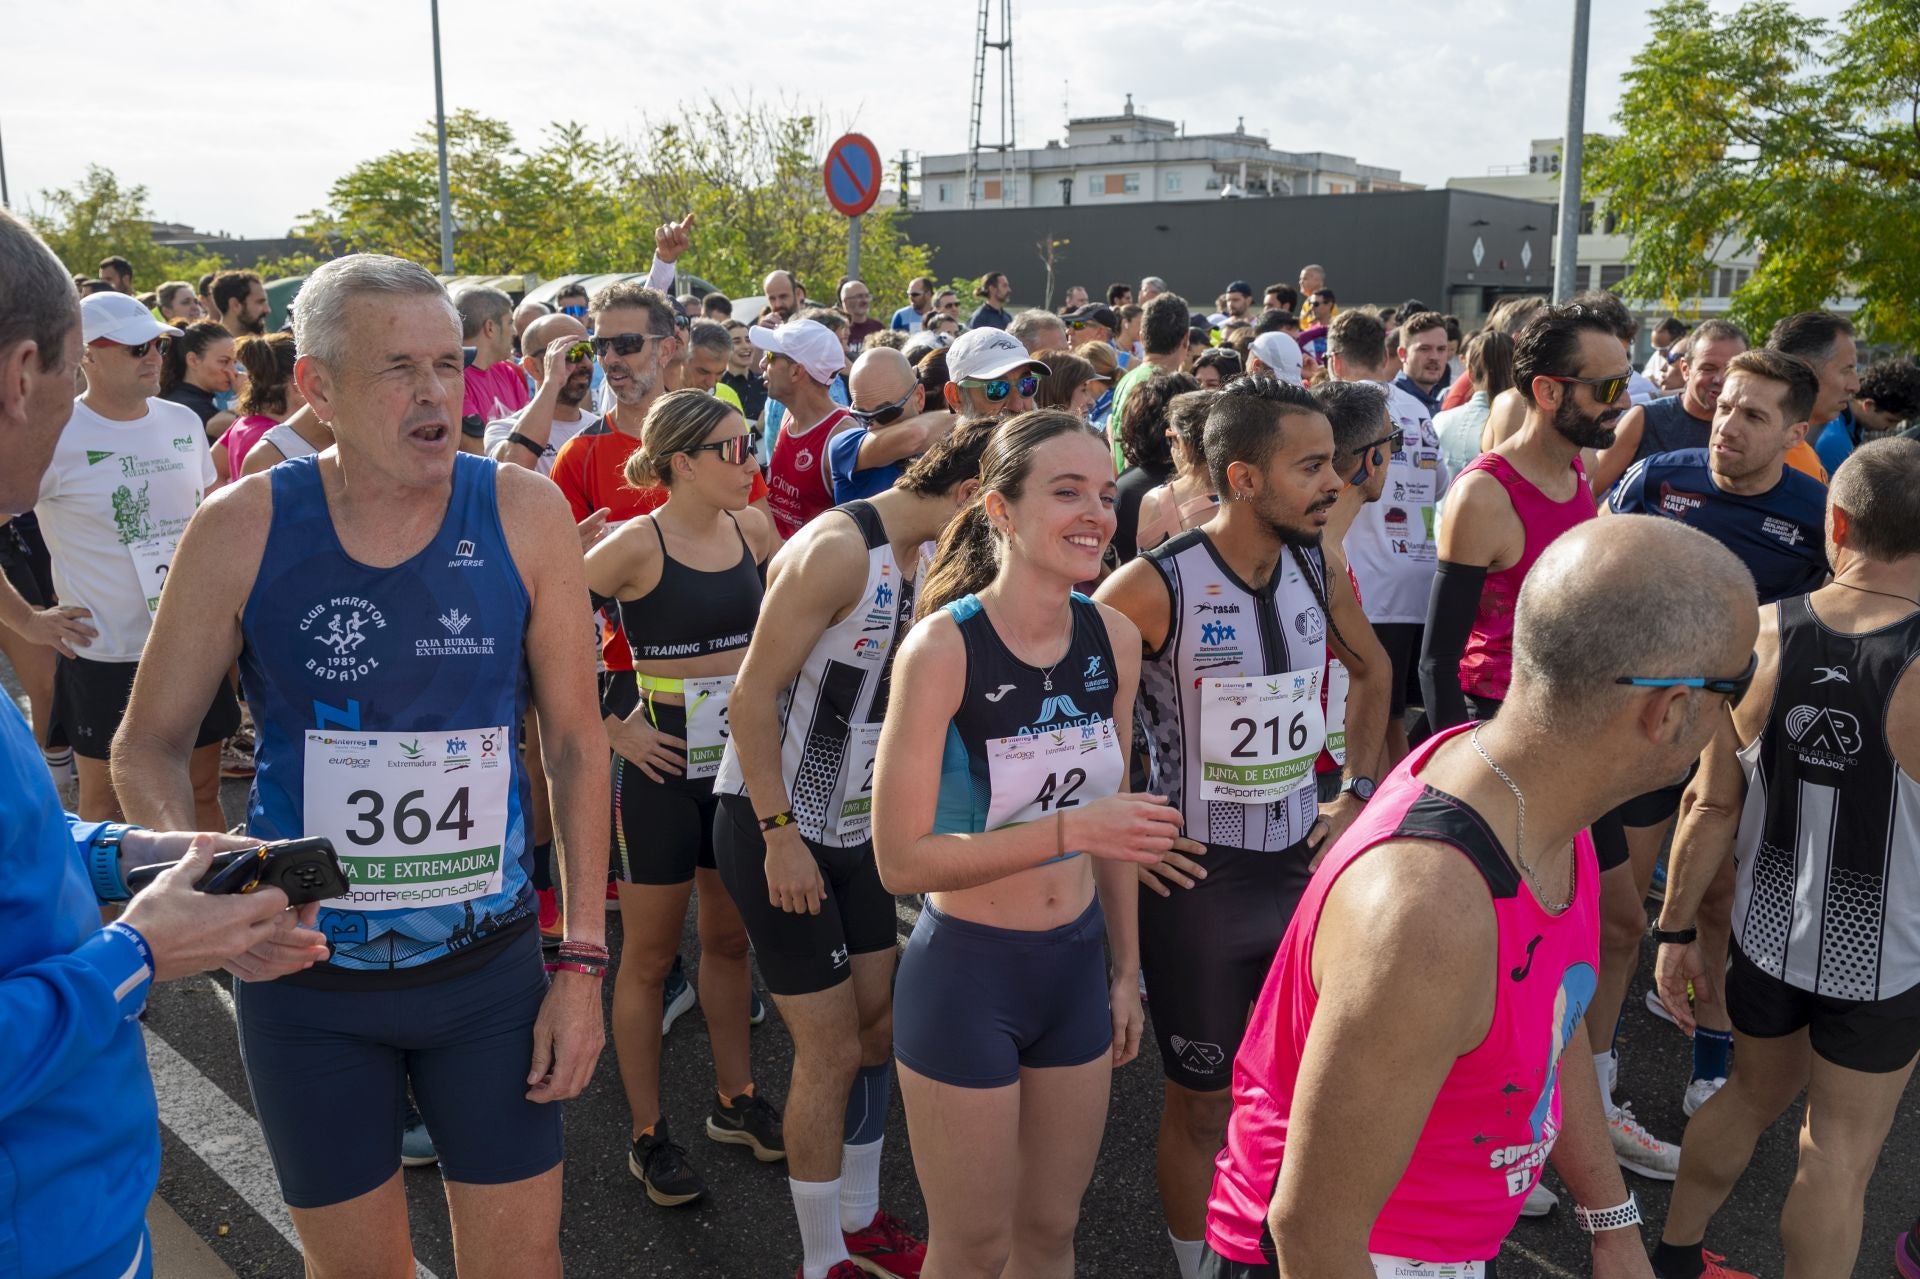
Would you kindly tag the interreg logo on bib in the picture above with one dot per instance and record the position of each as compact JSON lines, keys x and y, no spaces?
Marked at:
{"x":342,"y":627}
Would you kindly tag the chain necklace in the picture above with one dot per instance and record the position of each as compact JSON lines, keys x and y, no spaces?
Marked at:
{"x":1868,"y":590}
{"x":1520,"y":838}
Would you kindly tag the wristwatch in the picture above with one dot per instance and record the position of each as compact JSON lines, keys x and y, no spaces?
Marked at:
{"x":1593,"y":1222}
{"x":1675,"y":937}
{"x":1361,"y":788}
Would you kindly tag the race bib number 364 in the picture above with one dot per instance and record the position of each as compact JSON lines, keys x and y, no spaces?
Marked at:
{"x":419,"y":819}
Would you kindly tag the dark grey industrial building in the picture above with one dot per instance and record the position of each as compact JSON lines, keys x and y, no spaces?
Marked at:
{"x":1459,"y":251}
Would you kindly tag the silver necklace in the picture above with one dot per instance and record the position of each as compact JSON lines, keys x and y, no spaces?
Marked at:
{"x":1520,"y":838}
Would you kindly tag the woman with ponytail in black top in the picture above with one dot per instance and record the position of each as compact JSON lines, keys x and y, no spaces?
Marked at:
{"x":1000,"y":794}
{"x":198,"y":366}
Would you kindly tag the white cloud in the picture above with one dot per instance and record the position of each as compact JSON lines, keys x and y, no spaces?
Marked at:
{"x":238,"y":121}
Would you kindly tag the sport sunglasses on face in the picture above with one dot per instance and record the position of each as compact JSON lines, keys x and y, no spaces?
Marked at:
{"x":999,"y":388}
{"x":1605,"y":389}
{"x":733,"y":452}
{"x":626,"y":343}
{"x":1736,"y":688}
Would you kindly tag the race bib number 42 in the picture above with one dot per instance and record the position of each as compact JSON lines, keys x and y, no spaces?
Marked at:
{"x":419,"y":819}
{"x":1036,"y":775}
{"x":1259,"y":735}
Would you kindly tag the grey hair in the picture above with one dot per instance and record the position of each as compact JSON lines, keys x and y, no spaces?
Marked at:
{"x":1028,"y":327}
{"x":320,"y":312}
{"x":1627,"y":595}
{"x":708,"y":336}
{"x":37,"y":300}
{"x":1153,"y":282}
{"x":477,"y":305}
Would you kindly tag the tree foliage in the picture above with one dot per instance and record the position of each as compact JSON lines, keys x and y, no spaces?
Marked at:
{"x":575,"y":204}
{"x":1769,"y":128}
{"x":98,"y":218}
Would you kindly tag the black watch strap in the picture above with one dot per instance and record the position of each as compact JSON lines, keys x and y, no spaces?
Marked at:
{"x":528,"y":443}
{"x":1678,"y":937}
{"x":775,"y":822}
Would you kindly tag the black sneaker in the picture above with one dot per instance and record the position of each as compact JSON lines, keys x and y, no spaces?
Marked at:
{"x":749,"y":1121}
{"x":661,"y":1164}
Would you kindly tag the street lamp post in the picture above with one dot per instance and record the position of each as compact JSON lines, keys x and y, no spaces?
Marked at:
{"x":440,"y":116}
{"x":1567,"y":251}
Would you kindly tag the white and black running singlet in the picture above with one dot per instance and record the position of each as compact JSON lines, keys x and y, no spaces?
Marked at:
{"x":830,"y":714}
{"x":1231,"y":698}
{"x":1827,"y":891}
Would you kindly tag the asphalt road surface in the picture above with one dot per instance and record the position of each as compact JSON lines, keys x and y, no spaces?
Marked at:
{"x":216,"y":1176}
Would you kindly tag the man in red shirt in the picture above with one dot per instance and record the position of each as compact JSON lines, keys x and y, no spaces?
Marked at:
{"x":803,"y":358}
{"x":496,"y":387}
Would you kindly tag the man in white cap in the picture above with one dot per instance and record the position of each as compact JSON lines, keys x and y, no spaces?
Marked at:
{"x":1276,"y":353}
{"x":990,"y":373}
{"x":128,"y":473}
{"x":803,"y":358}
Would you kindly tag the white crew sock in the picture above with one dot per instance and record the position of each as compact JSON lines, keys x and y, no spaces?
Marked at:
{"x":1603,"y":1072}
{"x":816,"y":1205}
{"x":859,"y":1185}
{"x":1187,"y":1252}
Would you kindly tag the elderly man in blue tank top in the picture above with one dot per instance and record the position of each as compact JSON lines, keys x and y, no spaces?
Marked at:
{"x":397,"y":608}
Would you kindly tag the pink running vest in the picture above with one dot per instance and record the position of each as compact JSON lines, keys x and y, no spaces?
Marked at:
{"x":1496,"y":1116}
{"x":1486,"y":667}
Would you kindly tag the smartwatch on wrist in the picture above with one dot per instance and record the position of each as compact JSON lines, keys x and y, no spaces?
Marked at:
{"x":1676,"y":937}
{"x":1627,"y":1214}
{"x":1361,"y":788}
{"x":528,"y":443}
{"x":103,"y":863}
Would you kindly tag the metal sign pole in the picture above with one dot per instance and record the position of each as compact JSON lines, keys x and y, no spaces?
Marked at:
{"x":853,"y":248}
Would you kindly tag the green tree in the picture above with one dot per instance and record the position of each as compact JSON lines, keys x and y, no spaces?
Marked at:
{"x":1768,"y":128}
{"x":98,"y":218}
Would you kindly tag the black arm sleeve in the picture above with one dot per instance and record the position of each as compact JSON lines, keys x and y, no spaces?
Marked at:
{"x":1454,"y":604}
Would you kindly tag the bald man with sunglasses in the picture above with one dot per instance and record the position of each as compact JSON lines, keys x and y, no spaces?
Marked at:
{"x":892,"y":426}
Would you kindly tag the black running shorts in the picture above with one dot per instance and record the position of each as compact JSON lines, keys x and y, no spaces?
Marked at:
{"x":1875,"y":1037}
{"x":90,"y":699}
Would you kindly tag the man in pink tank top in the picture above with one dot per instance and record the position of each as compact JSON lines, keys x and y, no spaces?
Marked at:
{"x":1398,"y":1090}
{"x":1506,"y":508}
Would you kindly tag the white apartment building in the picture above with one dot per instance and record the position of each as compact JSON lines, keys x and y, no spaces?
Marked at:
{"x":1136,"y":159}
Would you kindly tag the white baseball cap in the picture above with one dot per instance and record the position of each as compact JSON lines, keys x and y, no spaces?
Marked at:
{"x":119,"y":317}
{"x":1279,"y":352}
{"x":807,"y":343}
{"x":988,"y":353}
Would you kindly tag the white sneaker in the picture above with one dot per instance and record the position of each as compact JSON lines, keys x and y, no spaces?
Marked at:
{"x":1540,"y":1201}
{"x":1658,"y":1007}
{"x":1613,"y":1074}
{"x":1639,"y":1150}
{"x":1697,"y":1093}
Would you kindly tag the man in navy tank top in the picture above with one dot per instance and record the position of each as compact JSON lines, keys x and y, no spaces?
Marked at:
{"x":396,"y":608}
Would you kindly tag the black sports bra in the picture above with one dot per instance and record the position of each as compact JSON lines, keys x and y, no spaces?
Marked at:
{"x":690,"y":613}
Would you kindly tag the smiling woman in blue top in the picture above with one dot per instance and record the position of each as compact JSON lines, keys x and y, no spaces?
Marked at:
{"x":1000,"y":792}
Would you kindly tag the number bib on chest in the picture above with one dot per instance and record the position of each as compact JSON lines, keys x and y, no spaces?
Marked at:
{"x":707,"y":728}
{"x":856,"y":809}
{"x":1259,"y":736}
{"x":1337,"y":682}
{"x":419,"y":819}
{"x":1035,"y":775}
{"x":152,"y":557}
{"x":1385,"y":1267}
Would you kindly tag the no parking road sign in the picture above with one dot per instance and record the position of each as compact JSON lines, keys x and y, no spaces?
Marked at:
{"x":853,"y":175}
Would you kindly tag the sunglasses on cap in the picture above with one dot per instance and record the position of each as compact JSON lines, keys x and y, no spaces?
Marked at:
{"x":1735,"y":688}
{"x":1605,"y":389}
{"x":625,"y":343}
{"x":1000,"y":388}
{"x":136,"y":350}
{"x":731,"y":451}
{"x":886,"y":414}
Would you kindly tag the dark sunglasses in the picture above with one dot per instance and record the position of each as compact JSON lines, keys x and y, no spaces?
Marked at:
{"x":1605,"y":389}
{"x":625,"y":343}
{"x":139,"y":350}
{"x":999,"y":388}
{"x":733,"y":452}
{"x":1396,"y":443}
{"x":886,"y":414}
{"x":578,"y":310}
{"x":1077,"y":325}
{"x":1735,"y":688}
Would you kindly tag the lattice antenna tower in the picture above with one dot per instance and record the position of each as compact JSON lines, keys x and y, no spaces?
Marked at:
{"x":985,"y":42}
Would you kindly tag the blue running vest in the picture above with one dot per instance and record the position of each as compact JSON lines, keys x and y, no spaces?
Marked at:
{"x":429,"y":653}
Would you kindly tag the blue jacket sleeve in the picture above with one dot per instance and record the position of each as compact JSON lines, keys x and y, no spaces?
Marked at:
{"x":62,"y":1011}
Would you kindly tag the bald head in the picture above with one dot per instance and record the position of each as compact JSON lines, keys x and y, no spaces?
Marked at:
{"x":879,"y":377}
{"x":548,"y":329}
{"x":1626,"y":595}
{"x":525,"y":314}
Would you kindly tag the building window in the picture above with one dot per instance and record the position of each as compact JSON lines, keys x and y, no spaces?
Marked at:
{"x":1612,"y":275}
{"x":1740,"y":279}
{"x":946,"y":193}
{"x":1116,"y":183}
{"x":1173,"y":183}
{"x":1096,"y":185}
{"x":1130,"y":184}
{"x":991,"y":189}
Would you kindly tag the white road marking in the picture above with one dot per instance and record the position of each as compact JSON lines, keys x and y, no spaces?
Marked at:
{"x":223,"y":1133}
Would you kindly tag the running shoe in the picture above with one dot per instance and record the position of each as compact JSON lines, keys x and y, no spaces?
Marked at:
{"x":676,"y":996}
{"x":550,"y":925}
{"x":1639,"y":1150}
{"x":1540,"y":1201}
{"x":416,"y":1143}
{"x":1613,"y":1074}
{"x":661,"y":1164}
{"x":840,"y":1270}
{"x":1906,"y":1252}
{"x":756,"y":1011}
{"x":236,"y":761}
{"x":1697,"y":1093}
{"x":1714,"y":1270}
{"x":750,"y":1121}
{"x":885,"y":1249}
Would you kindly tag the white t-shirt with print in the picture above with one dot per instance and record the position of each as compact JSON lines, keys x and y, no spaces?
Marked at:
{"x":112,"y":506}
{"x":500,"y":428}
{"x":1391,"y":546}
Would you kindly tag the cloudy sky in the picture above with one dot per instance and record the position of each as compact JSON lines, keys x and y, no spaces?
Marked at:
{"x":237,"y":122}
